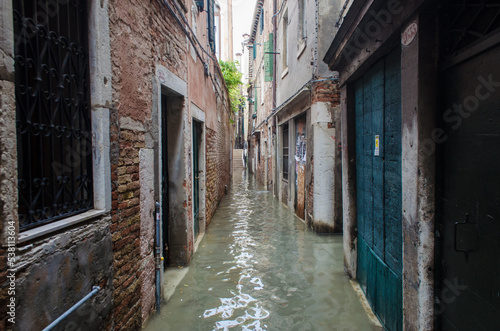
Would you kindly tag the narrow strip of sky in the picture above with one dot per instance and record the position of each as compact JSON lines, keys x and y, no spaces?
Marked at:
{"x":242,"y":19}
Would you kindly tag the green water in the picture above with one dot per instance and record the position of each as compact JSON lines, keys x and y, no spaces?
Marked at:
{"x":259,"y":268}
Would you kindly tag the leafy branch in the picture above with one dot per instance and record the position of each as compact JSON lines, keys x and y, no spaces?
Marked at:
{"x":232,"y":77}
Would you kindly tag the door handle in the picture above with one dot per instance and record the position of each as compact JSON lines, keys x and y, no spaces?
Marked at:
{"x":455,"y":243}
{"x":196,"y":177}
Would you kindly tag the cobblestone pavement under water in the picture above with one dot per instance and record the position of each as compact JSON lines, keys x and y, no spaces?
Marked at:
{"x":258,"y":267}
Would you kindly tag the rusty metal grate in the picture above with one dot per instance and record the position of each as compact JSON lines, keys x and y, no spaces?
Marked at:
{"x":466,"y":22}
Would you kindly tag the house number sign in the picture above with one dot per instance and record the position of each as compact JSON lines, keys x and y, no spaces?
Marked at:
{"x":409,"y":34}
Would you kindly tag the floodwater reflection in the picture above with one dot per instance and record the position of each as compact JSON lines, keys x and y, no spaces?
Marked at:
{"x":259,"y":268}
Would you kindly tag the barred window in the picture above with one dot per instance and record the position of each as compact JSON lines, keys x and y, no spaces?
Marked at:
{"x":53,"y":116}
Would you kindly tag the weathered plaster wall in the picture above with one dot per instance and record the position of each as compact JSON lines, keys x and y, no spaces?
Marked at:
{"x":325,"y":122}
{"x":56,"y":272}
{"x":147,"y":230}
{"x":328,"y":15}
{"x":419,"y":96}
{"x":349,"y":217}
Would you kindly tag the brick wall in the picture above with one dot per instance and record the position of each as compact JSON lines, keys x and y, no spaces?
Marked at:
{"x":326,"y":91}
{"x":218,"y":165}
{"x":143,"y":34}
{"x":125,"y":228}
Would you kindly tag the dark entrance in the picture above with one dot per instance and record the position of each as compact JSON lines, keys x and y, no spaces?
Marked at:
{"x":468,"y":197}
{"x":196,"y":176}
{"x":164,"y":178}
{"x":378,"y":186}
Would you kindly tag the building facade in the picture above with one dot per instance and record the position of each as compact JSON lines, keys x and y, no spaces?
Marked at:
{"x":107,"y":108}
{"x":420,"y":127}
{"x":295,"y":130}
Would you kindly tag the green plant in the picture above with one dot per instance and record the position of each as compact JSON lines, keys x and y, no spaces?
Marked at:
{"x":232,"y":77}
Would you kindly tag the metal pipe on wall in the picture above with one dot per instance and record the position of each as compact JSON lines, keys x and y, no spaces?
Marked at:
{"x":95,"y":289}
{"x":158,"y":258}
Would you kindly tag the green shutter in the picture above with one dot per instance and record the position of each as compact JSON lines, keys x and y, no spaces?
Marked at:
{"x":268,"y":58}
{"x":254,"y":48}
{"x":256,"y":101}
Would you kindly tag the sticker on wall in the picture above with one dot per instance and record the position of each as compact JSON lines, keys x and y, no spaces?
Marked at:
{"x":409,"y":34}
{"x":377,"y":145}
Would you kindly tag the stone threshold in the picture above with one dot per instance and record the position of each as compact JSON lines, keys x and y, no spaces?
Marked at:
{"x":173,"y":276}
{"x":366,"y":306}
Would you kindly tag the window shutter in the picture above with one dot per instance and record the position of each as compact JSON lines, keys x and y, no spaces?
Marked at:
{"x":268,"y":59}
{"x":211,"y":24}
{"x":256,"y":101}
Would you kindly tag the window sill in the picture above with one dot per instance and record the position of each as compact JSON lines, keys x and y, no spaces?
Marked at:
{"x":56,"y":226}
{"x":284,"y":73}
{"x":302,"y":47}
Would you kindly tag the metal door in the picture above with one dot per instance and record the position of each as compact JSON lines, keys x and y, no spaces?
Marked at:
{"x":300,"y":166}
{"x":196,"y":177}
{"x":468,"y":198}
{"x":379,"y":195}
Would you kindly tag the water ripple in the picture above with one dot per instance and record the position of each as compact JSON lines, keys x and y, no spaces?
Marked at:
{"x":259,"y":268}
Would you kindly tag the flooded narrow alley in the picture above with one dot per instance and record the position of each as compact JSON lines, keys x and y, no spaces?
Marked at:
{"x":259,"y":268}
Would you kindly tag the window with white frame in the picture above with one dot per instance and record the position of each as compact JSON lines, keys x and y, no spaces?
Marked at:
{"x":302,"y":31}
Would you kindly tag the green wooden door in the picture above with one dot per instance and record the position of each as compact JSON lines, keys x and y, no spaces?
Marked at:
{"x":379,"y":195}
{"x":196,"y":178}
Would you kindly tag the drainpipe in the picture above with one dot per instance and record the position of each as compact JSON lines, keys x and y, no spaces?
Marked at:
{"x":95,"y":289}
{"x":158,"y":258}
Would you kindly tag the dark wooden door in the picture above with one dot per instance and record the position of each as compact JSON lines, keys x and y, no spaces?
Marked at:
{"x":378,"y":185}
{"x":196,"y":177}
{"x":468,"y":198}
{"x":164,"y":179}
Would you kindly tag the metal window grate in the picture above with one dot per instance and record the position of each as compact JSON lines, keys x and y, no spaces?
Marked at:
{"x":466,"y":22}
{"x":53,"y":110}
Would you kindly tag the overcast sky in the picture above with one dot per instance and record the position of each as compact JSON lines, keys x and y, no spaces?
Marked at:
{"x":242,"y":19}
